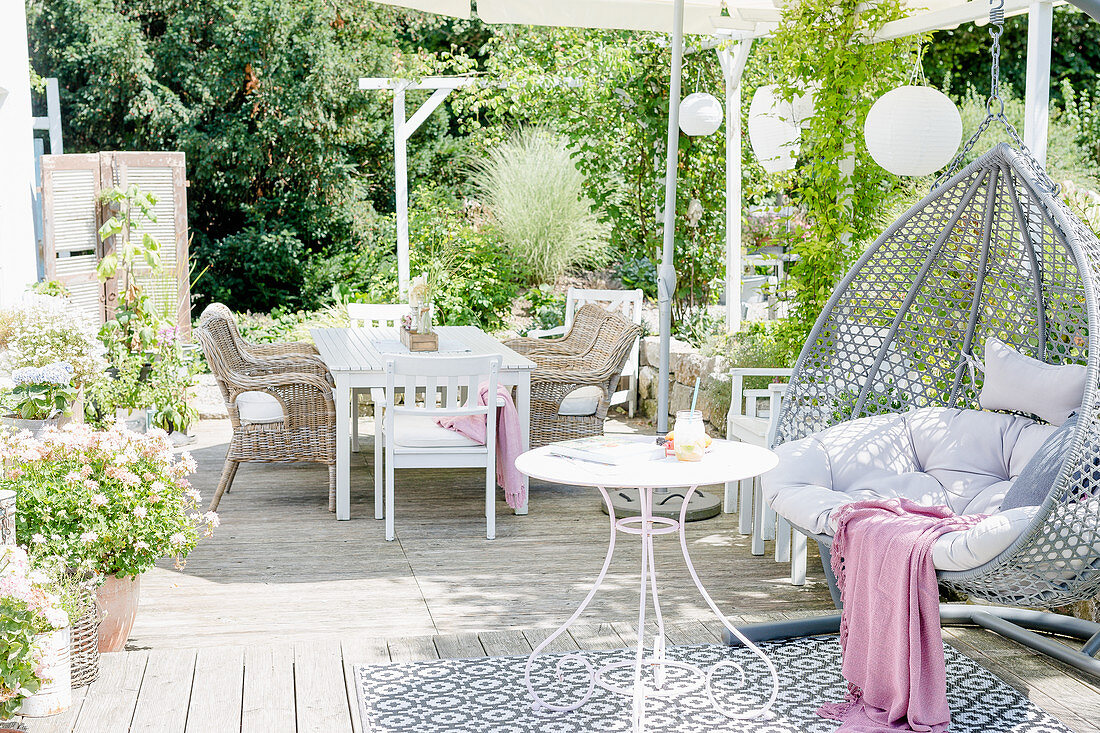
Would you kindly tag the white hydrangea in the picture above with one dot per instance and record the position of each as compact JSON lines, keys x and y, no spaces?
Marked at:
{"x":58,"y":372}
{"x":41,"y":329}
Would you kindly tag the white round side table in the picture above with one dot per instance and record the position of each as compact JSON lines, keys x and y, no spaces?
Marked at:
{"x":724,"y":461}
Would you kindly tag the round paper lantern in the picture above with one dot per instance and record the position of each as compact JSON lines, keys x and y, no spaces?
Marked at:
{"x":913,"y":131}
{"x":700,"y":114}
{"x":773,"y":133}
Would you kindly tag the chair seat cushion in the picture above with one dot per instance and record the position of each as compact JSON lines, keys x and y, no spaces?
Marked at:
{"x":255,"y":408}
{"x":964,"y":459}
{"x":581,"y":402}
{"x":421,"y":431}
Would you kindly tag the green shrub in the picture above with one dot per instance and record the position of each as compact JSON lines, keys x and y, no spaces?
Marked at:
{"x":547,"y":307}
{"x":254,"y":269}
{"x":484,"y":279}
{"x":639,"y":273}
{"x":534,"y":190}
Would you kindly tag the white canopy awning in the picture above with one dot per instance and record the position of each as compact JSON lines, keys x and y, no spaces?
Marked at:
{"x":745,"y":18}
{"x":632,"y":15}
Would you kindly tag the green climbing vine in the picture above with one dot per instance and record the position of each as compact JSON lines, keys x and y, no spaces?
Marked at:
{"x":822,"y":44}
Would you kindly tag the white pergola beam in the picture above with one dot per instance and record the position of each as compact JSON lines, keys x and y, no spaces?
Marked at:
{"x":1040,"y":21}
{"x":971,"y":12}
{"x":428,"y":82}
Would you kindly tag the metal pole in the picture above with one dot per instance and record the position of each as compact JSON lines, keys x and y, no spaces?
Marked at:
{"x":1040,"y":19}
{"x":666,"y":273}
{"x":401,"y":176}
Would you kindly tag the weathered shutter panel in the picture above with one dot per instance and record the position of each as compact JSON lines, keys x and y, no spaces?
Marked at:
{"x":163,"y":175}
{"x":71,"y":185}
{"x":70,"y":216}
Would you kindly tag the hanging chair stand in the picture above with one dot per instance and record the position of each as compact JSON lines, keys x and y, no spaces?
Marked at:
{"x":991,"y":251}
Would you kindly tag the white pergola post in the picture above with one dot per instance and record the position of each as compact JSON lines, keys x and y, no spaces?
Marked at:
{"x":733,"y":65}
{"x":18,"y":267}
{"x":401,"y":176}
{"x":402,"y":131}
{"x":1040,"y":20}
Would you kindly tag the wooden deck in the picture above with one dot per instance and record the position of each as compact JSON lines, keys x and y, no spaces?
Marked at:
{"x":259,"y":631}
{"x":307,"y":687}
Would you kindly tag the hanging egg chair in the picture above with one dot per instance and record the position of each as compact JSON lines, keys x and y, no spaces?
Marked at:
{"x":993,"y":252}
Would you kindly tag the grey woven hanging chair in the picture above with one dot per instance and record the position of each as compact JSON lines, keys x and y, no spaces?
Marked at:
{"x":993,"y":252}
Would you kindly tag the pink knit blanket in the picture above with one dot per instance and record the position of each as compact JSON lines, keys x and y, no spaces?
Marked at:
{"x":509,"y":441}
{"x":890,"y":635}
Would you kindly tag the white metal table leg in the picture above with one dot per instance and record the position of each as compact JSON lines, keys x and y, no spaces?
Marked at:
{"x":762,"y":710}
{"x":539,"y":702}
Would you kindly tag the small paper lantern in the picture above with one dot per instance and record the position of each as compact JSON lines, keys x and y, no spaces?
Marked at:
{"x":773,"y":133}
{"x":913,"y":131}
{"x":700,"y":114}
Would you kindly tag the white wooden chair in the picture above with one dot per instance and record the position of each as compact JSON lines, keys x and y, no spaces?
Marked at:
{"x":410,"y":435}
{"x":627,"y":302}
{"x":371,"y":315}
{"x":748,"y":423}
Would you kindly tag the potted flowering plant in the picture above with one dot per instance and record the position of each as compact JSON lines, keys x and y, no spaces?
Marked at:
{"x":42,"y":329}
{"x":42,"y":396}
{"x":34,"y":631}
{"x":109,"y":503}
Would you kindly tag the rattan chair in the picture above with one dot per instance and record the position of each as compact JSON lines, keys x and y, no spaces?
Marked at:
{"x":580,"y":338}
{"x":299,"y":426}
{"x":561,"y":406}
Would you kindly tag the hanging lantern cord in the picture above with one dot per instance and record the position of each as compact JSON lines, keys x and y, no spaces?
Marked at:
{"x":996,"y":28}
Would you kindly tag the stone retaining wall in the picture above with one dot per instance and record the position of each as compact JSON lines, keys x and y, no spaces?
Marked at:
{"x":685,"y":364}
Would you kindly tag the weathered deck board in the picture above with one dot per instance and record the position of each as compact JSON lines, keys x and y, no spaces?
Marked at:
{"x":320,"y":694}
{"x":169,"y":675}
{"x":110,"y":701}
{"x":268,"y":697}
{"x":217,"y":692}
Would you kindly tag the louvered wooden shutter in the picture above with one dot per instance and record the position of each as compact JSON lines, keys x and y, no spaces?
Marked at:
{"x":161,"y":174}
{"x":70,"y":218}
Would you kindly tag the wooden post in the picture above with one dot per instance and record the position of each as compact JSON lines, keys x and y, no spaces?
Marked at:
{"x":7,"y":518}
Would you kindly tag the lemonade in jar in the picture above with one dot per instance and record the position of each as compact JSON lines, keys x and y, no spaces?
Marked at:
{"x":691,"y":438}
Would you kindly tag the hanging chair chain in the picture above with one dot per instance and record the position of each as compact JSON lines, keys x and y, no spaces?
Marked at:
{"x":996,"y":28}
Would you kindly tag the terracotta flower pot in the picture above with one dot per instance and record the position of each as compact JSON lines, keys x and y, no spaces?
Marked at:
{"x":117,"y":600}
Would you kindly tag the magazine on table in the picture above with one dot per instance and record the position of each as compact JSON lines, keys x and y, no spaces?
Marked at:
{"x":612,"y":450}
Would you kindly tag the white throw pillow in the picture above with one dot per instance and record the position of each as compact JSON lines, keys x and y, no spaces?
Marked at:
{"x":1018,"y":383}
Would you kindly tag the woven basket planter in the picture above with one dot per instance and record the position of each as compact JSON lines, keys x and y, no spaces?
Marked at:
{"x":84,"y":647}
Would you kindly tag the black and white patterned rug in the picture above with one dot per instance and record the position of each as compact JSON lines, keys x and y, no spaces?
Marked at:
{"x":489,"y":696}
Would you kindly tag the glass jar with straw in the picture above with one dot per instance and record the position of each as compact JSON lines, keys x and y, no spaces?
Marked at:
{"x":691,"y":437}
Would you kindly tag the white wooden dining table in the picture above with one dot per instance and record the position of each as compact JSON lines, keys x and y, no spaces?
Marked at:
{"x":357,"y":359}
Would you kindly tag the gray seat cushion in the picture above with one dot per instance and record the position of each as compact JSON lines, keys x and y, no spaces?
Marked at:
{"x":964,"y":459}
{"x":1036,"y":480}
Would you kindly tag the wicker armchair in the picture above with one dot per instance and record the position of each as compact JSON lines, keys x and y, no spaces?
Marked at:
{"x":558,"y":375}
{"x":301,"y":428}
{"x":579,"y":340}
{"x":217,"y":313}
